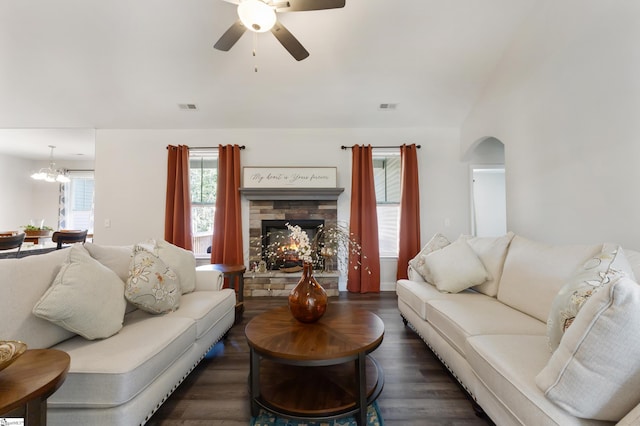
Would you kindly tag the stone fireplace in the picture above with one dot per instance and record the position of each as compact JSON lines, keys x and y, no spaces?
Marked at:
{"x":305,"y":208}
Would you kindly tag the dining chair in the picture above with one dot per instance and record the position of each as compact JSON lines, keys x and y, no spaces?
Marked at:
{"x":12,"y":241}
{"x":69,"y":237}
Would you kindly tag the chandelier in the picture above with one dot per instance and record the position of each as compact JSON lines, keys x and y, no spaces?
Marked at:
{"x":51,"y":174}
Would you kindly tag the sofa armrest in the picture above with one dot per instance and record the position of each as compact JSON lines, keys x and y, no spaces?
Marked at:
{"x":208,"y":279}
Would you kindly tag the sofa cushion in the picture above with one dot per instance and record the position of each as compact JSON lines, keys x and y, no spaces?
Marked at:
{"x":436,"y":242}
{"x":492,"y":251}
{"x":455,"y":267}
{"x":534,"y":273}
{"x":507,"y":366}
{"x":595,"y":372}
{"x":86,"y":297}
{"x":418,"y":294}
{"x":206,"y":308}
{"x":152,"y":286}
{"x":457,"y":321}
{"x":110,"y":372}
{"x":23,"y":282}
{"x":587,"y":280}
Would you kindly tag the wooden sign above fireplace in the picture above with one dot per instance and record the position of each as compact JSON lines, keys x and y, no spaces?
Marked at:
{"x":289,"y":177}
{"x":290,"y":183}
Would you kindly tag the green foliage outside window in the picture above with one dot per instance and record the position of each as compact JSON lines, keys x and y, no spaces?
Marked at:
{"x":203,"y":183}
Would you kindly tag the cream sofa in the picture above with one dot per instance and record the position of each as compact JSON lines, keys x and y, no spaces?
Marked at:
{"x":491,"y":332}
{"x":122,"y":379}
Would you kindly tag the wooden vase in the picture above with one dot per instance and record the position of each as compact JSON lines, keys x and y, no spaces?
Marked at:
{"x":308,"y":300}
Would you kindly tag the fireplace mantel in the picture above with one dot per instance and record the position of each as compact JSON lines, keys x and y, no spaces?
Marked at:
{"x":291,"y":193}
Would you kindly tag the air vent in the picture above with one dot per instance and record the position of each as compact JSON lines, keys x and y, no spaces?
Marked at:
{"x":387,"y":107}
{"x":188,"y":107}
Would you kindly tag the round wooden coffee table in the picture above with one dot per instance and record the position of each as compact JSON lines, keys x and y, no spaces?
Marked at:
{"x":26,"y":384}
{"x":315,"y":371}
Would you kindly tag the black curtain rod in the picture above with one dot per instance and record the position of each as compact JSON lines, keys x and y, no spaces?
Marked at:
{"x":208,"y":147}
{"x":397,"y":146}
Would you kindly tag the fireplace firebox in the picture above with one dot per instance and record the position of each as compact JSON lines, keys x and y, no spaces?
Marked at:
{"x":278,"y":250}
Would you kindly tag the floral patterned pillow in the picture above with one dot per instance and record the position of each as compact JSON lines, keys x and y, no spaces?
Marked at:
{"x":182,"y":261}
{"x":152,"y":286}
{"x":595,"y":274}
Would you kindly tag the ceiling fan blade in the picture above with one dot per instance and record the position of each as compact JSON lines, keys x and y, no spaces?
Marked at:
{"x":289,"y":42}
{"x":231,"y":36}
{"x":302,"y":5}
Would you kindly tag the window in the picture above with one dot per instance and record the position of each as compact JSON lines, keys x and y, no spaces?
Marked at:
{"x":76,"y":201}
{"x":386,"y":173}
{"x":203,"y":175}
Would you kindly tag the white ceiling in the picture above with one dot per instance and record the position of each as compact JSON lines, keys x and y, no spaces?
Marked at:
{"x":92,"y":64}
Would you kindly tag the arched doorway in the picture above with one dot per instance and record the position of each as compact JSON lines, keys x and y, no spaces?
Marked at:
{"x":487,"y":188}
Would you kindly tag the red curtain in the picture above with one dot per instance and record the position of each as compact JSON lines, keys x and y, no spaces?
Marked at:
{"x":364,"y":278}
{"x":177,"y":214}
{"x":226,"y":246}
{"x":409,"y":231}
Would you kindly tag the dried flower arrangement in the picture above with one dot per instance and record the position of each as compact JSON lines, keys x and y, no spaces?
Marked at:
{"x":330,"y":248}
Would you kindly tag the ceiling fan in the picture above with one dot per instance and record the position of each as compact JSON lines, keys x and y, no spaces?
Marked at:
{"x":260,"y":16}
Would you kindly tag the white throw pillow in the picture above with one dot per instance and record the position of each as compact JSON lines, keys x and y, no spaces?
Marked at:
{"x":455,"y":267}
{"x":492,"y":251}
{"x":86,"y":297}
{"x":586,"y":281}
{"x":152,"y":286}
{"x":595,"y":372}
{"x":116,"y":258}
{"x":182,"y":261}
{"x":436,"y":242}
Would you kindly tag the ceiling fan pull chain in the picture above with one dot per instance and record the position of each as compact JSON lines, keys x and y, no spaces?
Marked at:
{"x":255,"y":49}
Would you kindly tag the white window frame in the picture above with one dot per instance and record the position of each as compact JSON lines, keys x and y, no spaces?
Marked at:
{"x":388,"y":236}
{"x":72,"y":218}
{"x":201,"y":240}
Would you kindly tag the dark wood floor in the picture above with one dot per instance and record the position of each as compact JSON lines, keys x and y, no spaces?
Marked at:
{"x":418,"y":390}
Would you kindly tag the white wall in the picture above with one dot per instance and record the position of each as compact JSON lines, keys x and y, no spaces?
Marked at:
{"x":16,"y":190}
{"x":131,"y":173}
{"x":564,"y":100}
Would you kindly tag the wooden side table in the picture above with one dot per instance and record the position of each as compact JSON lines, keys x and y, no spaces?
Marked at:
{"x":26,"y":384}
{"x":235,"y":276}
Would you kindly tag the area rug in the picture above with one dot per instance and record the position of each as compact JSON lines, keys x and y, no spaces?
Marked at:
{"x":265,"y":418}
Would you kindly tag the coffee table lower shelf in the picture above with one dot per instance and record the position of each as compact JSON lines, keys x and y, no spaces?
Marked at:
{"x":316,"y":392}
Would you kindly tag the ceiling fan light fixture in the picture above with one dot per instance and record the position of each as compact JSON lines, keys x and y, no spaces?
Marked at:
{"x":256,"y":15}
